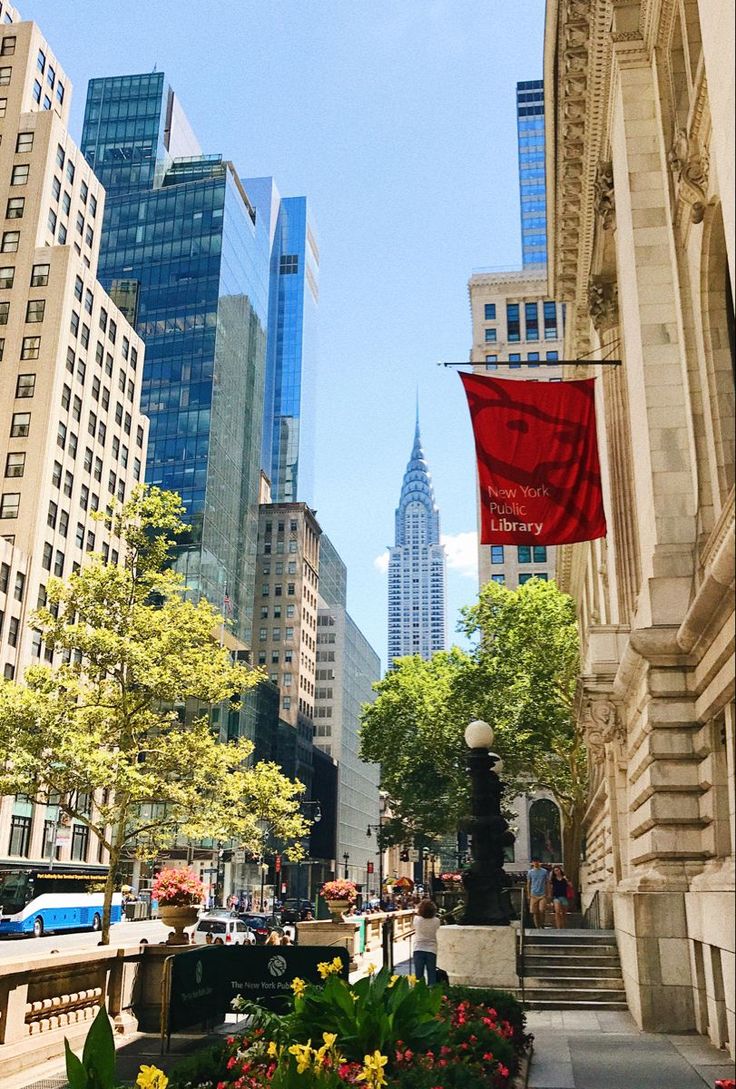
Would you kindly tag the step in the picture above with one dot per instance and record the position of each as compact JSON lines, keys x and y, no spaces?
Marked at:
{"x":566,"y":1004}
{"x":561,"y":940}
{"x":576,"y":994}
{"x":572,"y":983}
{"x":548,"y":958}
{"x":590,"y":971}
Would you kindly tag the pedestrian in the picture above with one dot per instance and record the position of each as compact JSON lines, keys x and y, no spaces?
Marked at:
{"x":285,"y":939}
{"x":426,"y":925}
{"x":274,"y":938}
{"x":536,"y":890}
{"x":558,"y":889}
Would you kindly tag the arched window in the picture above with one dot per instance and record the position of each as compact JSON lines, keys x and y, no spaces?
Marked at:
{"x":545,"y":838}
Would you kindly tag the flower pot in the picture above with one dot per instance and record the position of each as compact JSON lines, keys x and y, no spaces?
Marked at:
{"x":336,"y":909}
{"x":178,"y":916}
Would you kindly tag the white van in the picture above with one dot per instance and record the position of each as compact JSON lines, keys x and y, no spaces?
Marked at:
{"x":222,"y":930}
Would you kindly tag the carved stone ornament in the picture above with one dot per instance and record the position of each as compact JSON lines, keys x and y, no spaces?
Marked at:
{"x":690,"y":165}
{"x":593,"y":737}
{"x":602,"y":727}
{"x":604,"y":200}
{"x":603,"y":303}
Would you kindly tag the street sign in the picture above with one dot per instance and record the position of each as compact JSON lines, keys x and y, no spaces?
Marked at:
{"x":239,"y":856}
{"x":203,"y":981}
{"x":63,"y":835}
{"x":369,"y":868}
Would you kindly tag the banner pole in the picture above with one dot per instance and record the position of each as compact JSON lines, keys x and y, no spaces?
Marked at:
{"x":517,"y":364}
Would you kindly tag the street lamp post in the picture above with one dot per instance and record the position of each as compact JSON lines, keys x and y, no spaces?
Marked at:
{"x":346,"y":859}
{"x":369,"y":832}
{"x":486,"y":883}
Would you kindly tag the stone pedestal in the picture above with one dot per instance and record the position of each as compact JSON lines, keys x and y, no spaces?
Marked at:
{"x":329,"y":934}
{"x":479,"y":956}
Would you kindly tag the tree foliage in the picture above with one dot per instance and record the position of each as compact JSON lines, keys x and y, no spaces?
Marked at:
{"x":521,"y":678}
{"x":119,"y":734}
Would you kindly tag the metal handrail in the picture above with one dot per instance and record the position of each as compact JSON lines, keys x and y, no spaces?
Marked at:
{"x":592,"y":914}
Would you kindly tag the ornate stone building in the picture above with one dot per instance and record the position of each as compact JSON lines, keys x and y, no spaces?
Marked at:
{"x":640,"y":182}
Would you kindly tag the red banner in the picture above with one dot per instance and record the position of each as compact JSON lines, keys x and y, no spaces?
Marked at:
{"x":540,"y":481}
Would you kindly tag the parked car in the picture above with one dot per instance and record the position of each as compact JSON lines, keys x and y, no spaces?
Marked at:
{"x":295,"y":910}
{"x":225,"y":930}
{"x":261,"y":925}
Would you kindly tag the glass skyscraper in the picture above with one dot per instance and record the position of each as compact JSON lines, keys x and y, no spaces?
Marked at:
{"x":187,"y":258}
{"x":289,"y":406}
{"x":530,"y":127}
{"x":417,"y":571}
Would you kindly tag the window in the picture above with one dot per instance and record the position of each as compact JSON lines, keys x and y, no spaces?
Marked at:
{"x":13,"y":627}
{"x":513,"y":322}
{"x":36,"y":91}
{"x":4,"y":311}
{"x":5,"y":74}
{"x":62,"y":235}
{"x":551,"y":355}
{"x":490,"y":336}
{"x":60,"y":92}
{"x":491,"y":363}
{"x":93,"y":205}
{"x":7,"y":47}
{"x":9,"y":504}
{"x":500,"y":579}
{"x":40,"y":275}
{"x":20,"y":425}
{"x":46,"y":557}
{"x":51,"y":221}
{"x":15,"y":465}
{"x":540,"y":553}
{"x":59,"y":155}
{"x":88,"y":300}
{"x":80,"y":222}
{"x":489,"y":311}
{"x":531,"y":319}
{"x":80,"y":842}
{"x":20,"y":173}
{"x":20,"y":833}
{"x":496,"y":553}
{"x":15,"y":207}
{"x":550,"y":320}
{"x":524,"y":553}
{"x":59,"y":563}
{"x":35,"y":310}
{"x":70,"y":170}
{"x":25,"y":385}
{"x":289,"y":263}
{"x":24,"y":142}
{"x":514,"y":359}
{"x":83,"y":192}
{"x":7,"y":275}
{"x":10,"y":241}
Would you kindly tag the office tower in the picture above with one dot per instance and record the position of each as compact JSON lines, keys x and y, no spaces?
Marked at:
{"x":289,"y":419}
{"x":186,"y":254}
{"x":517,"y":328}
{"x":417,"y":574}
{"x":347,"y":668}
{"x":72,"y":437}
{"x":530,"y":129}
{"x":285,"y":606}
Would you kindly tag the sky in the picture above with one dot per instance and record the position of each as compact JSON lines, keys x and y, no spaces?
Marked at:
{"x":396,"y":118}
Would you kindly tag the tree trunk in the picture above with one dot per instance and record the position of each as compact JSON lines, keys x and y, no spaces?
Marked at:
{"x":116,"y":847}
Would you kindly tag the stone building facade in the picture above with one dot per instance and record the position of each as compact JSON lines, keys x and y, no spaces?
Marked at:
{"x":640,"y":181}
{"x":72,"y":436}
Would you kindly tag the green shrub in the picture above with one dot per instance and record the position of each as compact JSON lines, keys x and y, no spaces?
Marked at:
{"x":506,"y":1006}
{"x":208,"y":1064}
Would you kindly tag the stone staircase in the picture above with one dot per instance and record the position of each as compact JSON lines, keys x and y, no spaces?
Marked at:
{"x":572,"y":970}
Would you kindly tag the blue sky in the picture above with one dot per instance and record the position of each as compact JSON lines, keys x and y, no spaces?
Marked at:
{"x":397,"y":119}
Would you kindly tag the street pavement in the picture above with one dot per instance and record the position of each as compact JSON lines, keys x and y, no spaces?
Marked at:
{"x":121,"y":934}
{"x":590,"y":1050}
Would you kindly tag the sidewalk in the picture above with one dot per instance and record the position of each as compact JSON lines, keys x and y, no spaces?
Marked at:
{"x":606,"y":1050}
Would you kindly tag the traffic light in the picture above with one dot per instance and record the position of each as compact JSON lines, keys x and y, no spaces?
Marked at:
{"x":404,"y":856}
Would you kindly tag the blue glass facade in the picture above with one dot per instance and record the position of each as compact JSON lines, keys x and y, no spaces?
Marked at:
{"x":291,"y":369}
{"x":530,"y":127}
{"x":183,"y":250}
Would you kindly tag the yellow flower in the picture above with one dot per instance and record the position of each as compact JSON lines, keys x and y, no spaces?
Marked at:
{"x":372,"y":969}
{"x":150,"y":1077}
{"x":329,"y":1038}
{"x":329,"y":968}
{"x":392,"y":981}
{"x":412,"y":980}
{"x":372,"y":1072}
{"x":272,"y":1050}
{"x":303,"y":1053}
{"x":298,"y":986}
{"x":337,"y":964}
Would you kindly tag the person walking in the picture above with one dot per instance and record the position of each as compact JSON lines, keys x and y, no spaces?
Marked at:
{"x":426,"y":925}
{"x":274,"y":938}
{"x":536,"y":890}
{"x":557,"y":891}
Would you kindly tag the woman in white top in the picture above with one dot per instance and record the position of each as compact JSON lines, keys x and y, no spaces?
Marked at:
{"x":426,"y":925}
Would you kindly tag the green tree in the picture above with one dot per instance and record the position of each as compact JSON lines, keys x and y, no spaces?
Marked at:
{"x":521,"y":678}
{"x":522,"y":681}
{"x":414,"y":730}
{"x":119,"y":734}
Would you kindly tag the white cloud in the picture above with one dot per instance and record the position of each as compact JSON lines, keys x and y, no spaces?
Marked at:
{"x":462,"y":553}
{"x":381,"y":563}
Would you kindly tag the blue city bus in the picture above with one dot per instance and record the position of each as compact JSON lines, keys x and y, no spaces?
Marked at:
{"x":37,"y":900}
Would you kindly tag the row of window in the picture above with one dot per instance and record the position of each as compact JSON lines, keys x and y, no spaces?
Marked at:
{"x":541,"y":575}
{"x":531,"y":321}
{"x":20,"y":581}
{"x":20,"y":839}
{"x":524,"y":553}
{"x":514,"y":359}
